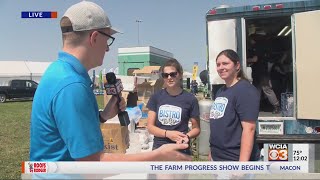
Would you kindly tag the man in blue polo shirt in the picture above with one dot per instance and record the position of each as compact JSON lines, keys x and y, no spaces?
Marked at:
{"x":65,"y":118}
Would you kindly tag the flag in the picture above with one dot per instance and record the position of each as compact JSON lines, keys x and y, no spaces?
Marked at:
{"x":100,"y":80}
{"x":195,"y":71}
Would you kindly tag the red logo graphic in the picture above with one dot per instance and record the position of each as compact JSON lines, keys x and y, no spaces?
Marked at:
{"x":37,"y":167}
{"x":30,"y":167}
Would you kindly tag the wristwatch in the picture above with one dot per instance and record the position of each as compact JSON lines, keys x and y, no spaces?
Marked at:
{"x":102,"y":120}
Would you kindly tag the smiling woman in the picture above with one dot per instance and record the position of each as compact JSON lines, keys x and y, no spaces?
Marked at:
{"x":228,"y":67}
{"x":234,"y":113}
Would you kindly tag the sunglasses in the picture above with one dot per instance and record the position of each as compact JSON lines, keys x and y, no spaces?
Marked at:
{"x":172,"y":74}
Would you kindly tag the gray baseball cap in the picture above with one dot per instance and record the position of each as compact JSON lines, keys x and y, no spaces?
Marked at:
{"x":87,"y":16}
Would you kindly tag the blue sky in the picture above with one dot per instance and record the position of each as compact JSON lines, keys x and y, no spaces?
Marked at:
{"x":176,"y":26}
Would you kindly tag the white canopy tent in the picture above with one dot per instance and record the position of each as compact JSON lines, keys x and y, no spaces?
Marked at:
{"x":187,"y":74}
{"x":21,"y":70}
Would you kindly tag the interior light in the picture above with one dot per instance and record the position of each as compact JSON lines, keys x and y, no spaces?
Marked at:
{"x":287,"y":32}
{"x":283,"y":30}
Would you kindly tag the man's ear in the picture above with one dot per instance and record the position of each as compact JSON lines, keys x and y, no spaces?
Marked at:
{"x":93,"y":37}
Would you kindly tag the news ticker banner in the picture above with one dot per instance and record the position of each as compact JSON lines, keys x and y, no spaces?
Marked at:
{"x":171,"y":167}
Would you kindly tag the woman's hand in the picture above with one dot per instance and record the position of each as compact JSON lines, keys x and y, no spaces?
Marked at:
{"x":175,"y":135}
{"x":183,"y":140}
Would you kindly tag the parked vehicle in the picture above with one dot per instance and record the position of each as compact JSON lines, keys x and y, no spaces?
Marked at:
{"x":18,"y":89}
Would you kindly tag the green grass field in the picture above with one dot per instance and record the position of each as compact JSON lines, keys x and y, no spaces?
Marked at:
{"x":15,"y":136}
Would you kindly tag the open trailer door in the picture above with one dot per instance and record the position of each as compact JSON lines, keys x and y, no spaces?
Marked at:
{"x":306,"y":44}
{"x":221,"y":35}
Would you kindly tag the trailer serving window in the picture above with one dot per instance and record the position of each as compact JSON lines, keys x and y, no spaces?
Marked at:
{"x":288,"y":47}
{"x":269,"y":55}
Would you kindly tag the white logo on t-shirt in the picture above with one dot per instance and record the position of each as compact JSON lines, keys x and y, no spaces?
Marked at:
{"x":169,"y":115}
{"x":218,"y":107}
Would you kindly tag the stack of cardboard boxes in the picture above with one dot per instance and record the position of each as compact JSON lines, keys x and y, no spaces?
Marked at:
{"x":147,"y":88}
{"x":116,"y":137}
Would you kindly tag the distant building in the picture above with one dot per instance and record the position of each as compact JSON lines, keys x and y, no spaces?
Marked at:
{"x":130,"y":59}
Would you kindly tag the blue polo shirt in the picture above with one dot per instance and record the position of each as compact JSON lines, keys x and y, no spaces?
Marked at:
{"x":65,"y":118}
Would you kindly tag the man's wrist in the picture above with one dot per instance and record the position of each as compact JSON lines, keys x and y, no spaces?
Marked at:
{"x":102,"y":117}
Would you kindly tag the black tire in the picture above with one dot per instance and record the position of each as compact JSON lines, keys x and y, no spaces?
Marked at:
{"x":3,"y":98}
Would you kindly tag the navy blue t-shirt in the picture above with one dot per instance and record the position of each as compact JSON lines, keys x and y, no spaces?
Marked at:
{"x":173,"y":112}
{"x":232,"y":105}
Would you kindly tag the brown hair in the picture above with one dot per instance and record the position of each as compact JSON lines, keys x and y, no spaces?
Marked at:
{"x":175,"y":63}
{"x":233,"y":56}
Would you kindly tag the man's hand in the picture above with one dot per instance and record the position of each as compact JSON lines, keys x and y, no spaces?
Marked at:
{"x":168,"y":152}
{"x":112,"y":109}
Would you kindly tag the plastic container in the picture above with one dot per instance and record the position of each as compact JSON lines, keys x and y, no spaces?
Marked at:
{"x":287,"y":104}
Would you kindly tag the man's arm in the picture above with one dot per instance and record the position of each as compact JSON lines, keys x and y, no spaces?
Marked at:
{"x":167,"y":152}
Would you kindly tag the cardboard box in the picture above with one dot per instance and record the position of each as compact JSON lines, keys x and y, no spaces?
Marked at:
{"x":147,"y":89}
{"x":143,"y":123}
{"x":115,"y":137}
{"x":106,"y":99}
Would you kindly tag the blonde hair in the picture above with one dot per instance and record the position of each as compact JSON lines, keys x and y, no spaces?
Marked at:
{"x":69,"y":36}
